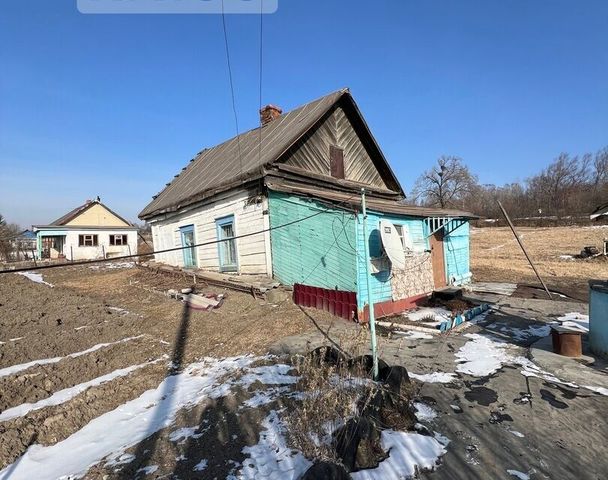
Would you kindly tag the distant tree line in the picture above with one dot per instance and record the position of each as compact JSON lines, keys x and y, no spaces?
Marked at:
{"x":568,"y":186}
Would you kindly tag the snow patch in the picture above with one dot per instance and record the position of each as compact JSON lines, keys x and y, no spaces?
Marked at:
{"x":575,"y":320}
{"x":24,"y":366}
{"x":435,"y":377}
{"x":408,"y":453}
{"x":518,"y":474}
{"x":200,"y":466}
{"x":35,"y":277}
{"x":424,"y":412}
{"x":109,"y":435}
{"x":182,"y":434}
{"x":600,"y":390}
{"x":148,"y":470}
{"x":481,"y":356}
{"x":271,"y":458}
{"x":413,"y":334}
{"x":429,"y":316}
{"x":67,"y":394}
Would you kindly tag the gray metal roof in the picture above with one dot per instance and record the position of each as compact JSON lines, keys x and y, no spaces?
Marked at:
{"x":223,"y":165}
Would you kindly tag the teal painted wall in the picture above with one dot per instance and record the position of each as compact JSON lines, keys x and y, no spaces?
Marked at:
{"x":598,"y":317}
{"x":381,"y":282}
{"x":456,"y":252}
{"x":318,"y":251}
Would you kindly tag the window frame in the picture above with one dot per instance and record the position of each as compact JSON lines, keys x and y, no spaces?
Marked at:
{"x":85,"y":238}
{"x":123,"y":239}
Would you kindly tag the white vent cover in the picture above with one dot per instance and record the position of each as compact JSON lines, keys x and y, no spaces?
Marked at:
{"x":392,"y":244}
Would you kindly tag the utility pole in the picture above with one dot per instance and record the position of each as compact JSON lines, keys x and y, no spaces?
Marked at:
{"x":370,"y":303}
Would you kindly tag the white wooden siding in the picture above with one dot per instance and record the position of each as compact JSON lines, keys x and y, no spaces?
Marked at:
{"x":248,"y":218}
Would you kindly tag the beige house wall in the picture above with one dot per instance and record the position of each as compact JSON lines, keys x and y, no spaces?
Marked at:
{"x":97,"y":216}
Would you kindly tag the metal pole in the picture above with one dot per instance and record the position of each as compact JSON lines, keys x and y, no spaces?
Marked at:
{"x":71,"y":253}
{"x":370,"y":302}
{"x":521,"y":244}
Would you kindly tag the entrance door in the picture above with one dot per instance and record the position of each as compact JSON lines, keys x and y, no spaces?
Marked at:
{"x":227,"y":249}
{"x":438,"y":259}
{"x":187,"y":233}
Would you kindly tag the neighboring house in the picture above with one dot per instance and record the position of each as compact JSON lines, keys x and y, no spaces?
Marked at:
{"x":600,"y":212}
{"x":311,"y":164}
{"x":90,"y":231}
{"x":25,"y":246}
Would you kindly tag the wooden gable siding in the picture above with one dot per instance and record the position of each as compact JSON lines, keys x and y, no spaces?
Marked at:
{"x":97,"y":216}
{"x":312,"y":152}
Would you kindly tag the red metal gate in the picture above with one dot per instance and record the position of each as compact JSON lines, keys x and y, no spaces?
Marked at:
{"x":337,"y":302}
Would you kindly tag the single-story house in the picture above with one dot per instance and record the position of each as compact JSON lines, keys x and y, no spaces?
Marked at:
{"x":90,"y":231}
{"x":25,"y":246}
{"x":290,"y":192}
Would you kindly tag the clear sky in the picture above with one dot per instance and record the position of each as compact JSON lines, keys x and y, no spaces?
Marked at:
{"x":115,"y":105}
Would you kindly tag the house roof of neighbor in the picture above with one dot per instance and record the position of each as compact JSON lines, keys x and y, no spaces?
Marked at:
{"x":72,"y":214}
{"x":599,"y":211}
{"x":245,"y":157}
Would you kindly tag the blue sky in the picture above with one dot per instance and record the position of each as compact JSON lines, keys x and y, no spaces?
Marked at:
{"x":115,"y":105}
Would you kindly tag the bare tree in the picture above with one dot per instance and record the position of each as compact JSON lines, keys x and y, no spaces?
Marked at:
{"x":447,"y":184}
{"x":8,"y":235}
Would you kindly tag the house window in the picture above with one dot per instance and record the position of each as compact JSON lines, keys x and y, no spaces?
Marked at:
{"x":87,"y":240}
{"x":118,"y":239}
{"x":407,"y":247}
{"x":336,"y":161}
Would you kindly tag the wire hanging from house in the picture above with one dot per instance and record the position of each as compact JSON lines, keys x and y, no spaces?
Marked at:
{"x":236,"y":119}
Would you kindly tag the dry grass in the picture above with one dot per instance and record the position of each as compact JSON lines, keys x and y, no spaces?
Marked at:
{"x":332,"y":394}
{"x":496,"y":256}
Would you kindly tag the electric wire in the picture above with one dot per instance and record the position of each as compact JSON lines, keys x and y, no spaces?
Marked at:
{"x":173,"y":249}
{"x":236,"y":119}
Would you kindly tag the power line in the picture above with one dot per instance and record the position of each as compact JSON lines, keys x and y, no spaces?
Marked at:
{"x":174,"y":249}
{"x":236,"y":120}
{"x":260,"y":82}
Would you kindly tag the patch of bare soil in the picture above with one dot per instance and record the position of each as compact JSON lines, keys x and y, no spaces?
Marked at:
{"x":496,"y":257}
{"x":127,"y":312}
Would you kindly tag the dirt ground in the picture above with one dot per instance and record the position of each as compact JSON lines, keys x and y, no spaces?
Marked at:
{"x":127,"y":309}
{"x":496,"y":257}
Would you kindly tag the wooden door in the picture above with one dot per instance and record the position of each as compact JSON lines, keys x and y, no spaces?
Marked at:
{"x":437,"y":258}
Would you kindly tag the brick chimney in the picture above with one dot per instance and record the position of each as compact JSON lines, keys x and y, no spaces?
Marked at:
{"x":269,"y":113}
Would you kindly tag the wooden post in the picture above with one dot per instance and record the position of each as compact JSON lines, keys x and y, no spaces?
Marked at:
{"x":34,"y":258}
{"x":71,"y":253}
{"x":103,"y":251}
{"x":504,"y":212}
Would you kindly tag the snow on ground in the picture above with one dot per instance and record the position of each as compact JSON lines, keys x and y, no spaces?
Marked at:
{"x":518,"y":474}
{"x":109,"y":435}
{"x":429,"y":315}
{"x":112,"y":265}
{"x":35,"y":277}
{"x":481,"y":356}
{"x":200,"y":466}
{"x":44,"y":361}
{"x":578,"y":321}
{"x":522,"y":335}
{"x":182,"y":434}
{"x":424,"y":413}
{"x":408,"y":453}
{"x":149,"y":470}
{"x":600,"y":390}
{"x":67,"y":394}
{"x":271,"y":458}
{"x":413,"y":334}
{"x":435,"y":377}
